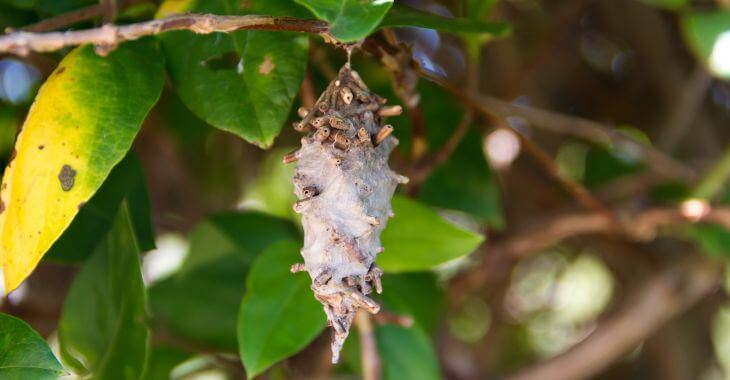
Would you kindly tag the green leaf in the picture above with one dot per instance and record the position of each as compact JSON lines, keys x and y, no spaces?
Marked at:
{"x":669,"y":4}
{"x":708,"y":35}
{"x":407,"y":353}
{"x":350,"y":20}
{"x":271,"y":191}
{"x":416,"y":295}
{"x":162,"y":360}
{"x":403,"y":15}
{"x":102,"y":331}
{"x":97,"y":216}
{"x":23,"y":353}
{"x":279,"y":316}
{"x":243,"y":82}
{"x":222,"y":249}
{"x":81,"y":125}
{"x":418,"y":239}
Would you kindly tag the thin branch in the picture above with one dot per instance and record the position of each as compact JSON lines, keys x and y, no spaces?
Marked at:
{"x":547,"y":232}
{"x":107,"y":37}
{"x":660,"y":299}
{"x":680,"y":118}
{"x":81,"y":14}
{"x":429,"y":163}
{"x":368,"y":347}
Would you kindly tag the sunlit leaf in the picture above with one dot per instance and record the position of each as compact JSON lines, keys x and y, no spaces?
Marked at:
{"x":222,"y":249}
{"x":403,"y":15}
{"x":670,"y":4}
{"x":418,"y":239}
{"x":23,"y":353}
{"x":242,"y":82}
{"x":81,"y":125}
{"x":278,"y":315}
{"x":350,"y":20}
{"x":271,"y":191}
{"x":95,"y":218}
{"x":708,"y":36}
{"x":102,"y":331}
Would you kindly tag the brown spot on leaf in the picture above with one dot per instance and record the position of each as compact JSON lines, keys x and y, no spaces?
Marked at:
{"x":60,"y":70}
{"x":2,"y":206}
{"x":67,"y":177}
{"x":12,"y":155}
{"x":40,"y":147}
{"x":81,"y":205}
{"x":267,"y":65}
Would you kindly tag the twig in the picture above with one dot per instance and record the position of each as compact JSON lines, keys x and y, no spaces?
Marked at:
{"x":368,"y":347}
{"x":78,"y":15}
{"x":385,"y":317}
{"x":660,"y":299}
{"x":544,"y":233}
{"x":680,"y":118}
{"x":577,"y":190}
{"x":107,"y":37}
{"x":429,"y":163}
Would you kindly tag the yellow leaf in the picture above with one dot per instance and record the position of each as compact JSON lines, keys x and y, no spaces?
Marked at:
{"x":81,"y":124}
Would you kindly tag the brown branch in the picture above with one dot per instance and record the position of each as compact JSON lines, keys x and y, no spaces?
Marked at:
{"x":368,"y":347}
{"x":107,"y":37}
{"x":547,"y":232}
{"x":660,"y":299}
{"x":578,"y":127}
{"x":78,"y":15}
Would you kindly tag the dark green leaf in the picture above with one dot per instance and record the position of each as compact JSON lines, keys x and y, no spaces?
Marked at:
{"x":403,"y":15}
{"x":407,"y":353}
{"x":350,"y":20}
{"x":714,"y":240}
{"x":23,"y":353}
{"x":416,"y":295}
{"x":214,"y":274}
{"x":279,"y":316}
{"x":708,"y":35}
{"x":162,"y":360}
{"x":418,"y":239}
{"x":95,"y":218}
{"x":466,"y":183}
{"x":102,"y":331}
{"x":243,"y":82}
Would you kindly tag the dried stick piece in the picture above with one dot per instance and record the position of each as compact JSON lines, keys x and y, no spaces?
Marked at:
{"x":368,"y":347}
{"x":660,"y":299}
{"x":106,"y":38}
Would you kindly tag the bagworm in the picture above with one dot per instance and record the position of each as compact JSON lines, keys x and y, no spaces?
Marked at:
{"x":344,"y":186}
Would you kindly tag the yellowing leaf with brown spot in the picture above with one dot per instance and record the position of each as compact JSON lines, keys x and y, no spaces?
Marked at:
{"x":80,"y":126}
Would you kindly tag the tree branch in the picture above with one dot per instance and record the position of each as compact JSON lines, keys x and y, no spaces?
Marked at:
{"x":107,"y":37}
{"x":660,"y":299}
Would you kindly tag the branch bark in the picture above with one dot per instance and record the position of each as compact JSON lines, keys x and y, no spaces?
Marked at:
{"x":660,"y":299}
{"x":106,"y":38}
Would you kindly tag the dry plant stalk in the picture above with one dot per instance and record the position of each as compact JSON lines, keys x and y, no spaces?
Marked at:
{"x":344,"y":186}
